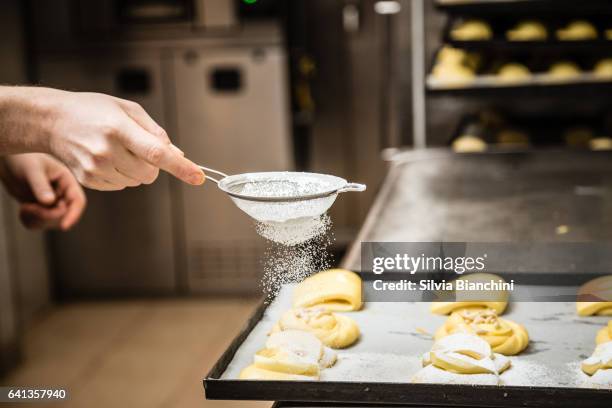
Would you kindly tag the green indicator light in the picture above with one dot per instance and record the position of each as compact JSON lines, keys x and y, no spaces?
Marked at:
{"x":250,"y":1}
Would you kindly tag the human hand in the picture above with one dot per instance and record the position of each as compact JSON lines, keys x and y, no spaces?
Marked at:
{"x":49,"y":195}
{"x":110,"y":143}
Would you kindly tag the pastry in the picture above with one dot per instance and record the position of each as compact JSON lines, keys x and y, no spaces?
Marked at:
{"x":467,"y":356}
{"x":290,"y":355}
{"x":469,"y":144}
{"x":512,"y":138}
{"x":453,"y":74}
{"x":600,"y":364}
{"x":563,"y":70}
{"x":604,"y":335}
{"x":472,"y":30}
{"x":504,"y":336}
{"x":608,"y":34}
{"x":334,"y":330}
{"x":600,"y":143}
{"x":603,"y":69}
{"x":577,"y":30}
{"x":595,"y":289}
{"x":451,"y":56}
{"x":337,"y":290}
{"x":496,"y":300}
{"x":528,"y":30}
{"x":578,"y":137}
{"x":513,"y":72}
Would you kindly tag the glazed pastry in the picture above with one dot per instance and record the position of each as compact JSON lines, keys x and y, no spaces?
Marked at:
{"x":469,"y":144}
{"x":472,"y":30}
{"x":577,"y":30}
{"x":465,"y":355}
{"x":504,"y":336}
{"x":578,"y":137}
{"x":604,"y":335}
{"x":599,"y":288}
{"x":529,"y":30}
{"x":512,"y":138}
{"x":334,"y":330}
{"x":563,"y":70}
{"x":600,"y":143}
{"x":337,"y":290}
{"x":290,"y":355}
{"x":513,"y":72}
{"x":603,"y":69}
{"x":499,"y":303}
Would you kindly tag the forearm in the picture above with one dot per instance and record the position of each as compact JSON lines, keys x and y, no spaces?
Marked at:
{"x":25,"y":119}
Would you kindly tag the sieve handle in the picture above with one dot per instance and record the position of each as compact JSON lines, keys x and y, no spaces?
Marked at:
{"x":352,"y":187}
{"x":209,"y":170}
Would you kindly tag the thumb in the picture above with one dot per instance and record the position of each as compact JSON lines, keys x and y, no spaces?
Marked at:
{"x":41,"y":187}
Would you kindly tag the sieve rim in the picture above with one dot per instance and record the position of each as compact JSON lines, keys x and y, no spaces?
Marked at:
{"x":224,"y":185}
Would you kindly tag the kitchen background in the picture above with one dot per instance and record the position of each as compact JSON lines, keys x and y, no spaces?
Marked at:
{"x":134,"y":304}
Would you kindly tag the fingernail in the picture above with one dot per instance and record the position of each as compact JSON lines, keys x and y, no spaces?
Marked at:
{"x":48,"y":196}
{"x":196,"y":178}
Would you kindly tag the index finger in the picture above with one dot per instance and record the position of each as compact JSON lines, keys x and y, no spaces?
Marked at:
{"x":149,"y":148}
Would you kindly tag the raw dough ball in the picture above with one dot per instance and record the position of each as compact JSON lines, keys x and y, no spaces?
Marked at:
{"x":577,"y":30}
{"x":513,"y":72}
{"x":334,"y":330}
{"x":601,"y":143}
{"x":469,"y":144}
{"x":600,"y":360}
{"x":512,"y":139}
{"x":496,"y":300}
{"x":598,"y":288}
{"x":603,"y":69}
{"x":604,"y":335}
{"x":564,"y":70}
{"x":578,"y":137}
{"x":528,"y":30}
{"x":504,"y":336}
{"x":472,"y":30}
{"x":337,"y":290}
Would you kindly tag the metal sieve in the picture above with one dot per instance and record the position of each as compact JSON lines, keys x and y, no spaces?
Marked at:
{"x":284,"y":195}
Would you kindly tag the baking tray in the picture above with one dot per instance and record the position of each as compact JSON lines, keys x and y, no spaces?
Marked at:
{"x":377,"y":369}
{"x":521,"y":6}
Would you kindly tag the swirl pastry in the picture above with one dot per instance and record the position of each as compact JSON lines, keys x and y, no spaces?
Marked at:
{"x":496,"y":300}
{"x":596,"y":289}
{"x":472,"y":30}
{"x":337,"y":290}
{"x":334,"y":330}
{"x":604,"y":335}
{"x":290,"y":355}
{"x":529,"y":30}
{"x":577,"y":30}
{"x":463,"y":354}
{"x":504,"y":336}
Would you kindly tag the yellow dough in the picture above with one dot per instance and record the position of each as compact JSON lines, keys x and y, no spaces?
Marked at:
{"x":464,"y":353}
{"x":600,"y":143}
{"x":578,"y":137}
{"x":290,"y":355}
{"x":334,"y":330}
{"x":601,"y":359}
{"x":604,"y":335}
{"x":504,"y":336}
{"x":603,"y":69}
{"x":529,"y":30}
{"x":608,"y":34}
{"x":469,"y":144}
{"x":599,"y":288}
{"x":475,"y":299}
{"x":513,"y":72}
{"x":472,"y":30}
{"x":337,"y":290}
{"x":453,"y":74}
{"x":512,"y":139}
{"x":577,"y":30}
{"x":563,"y":70}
